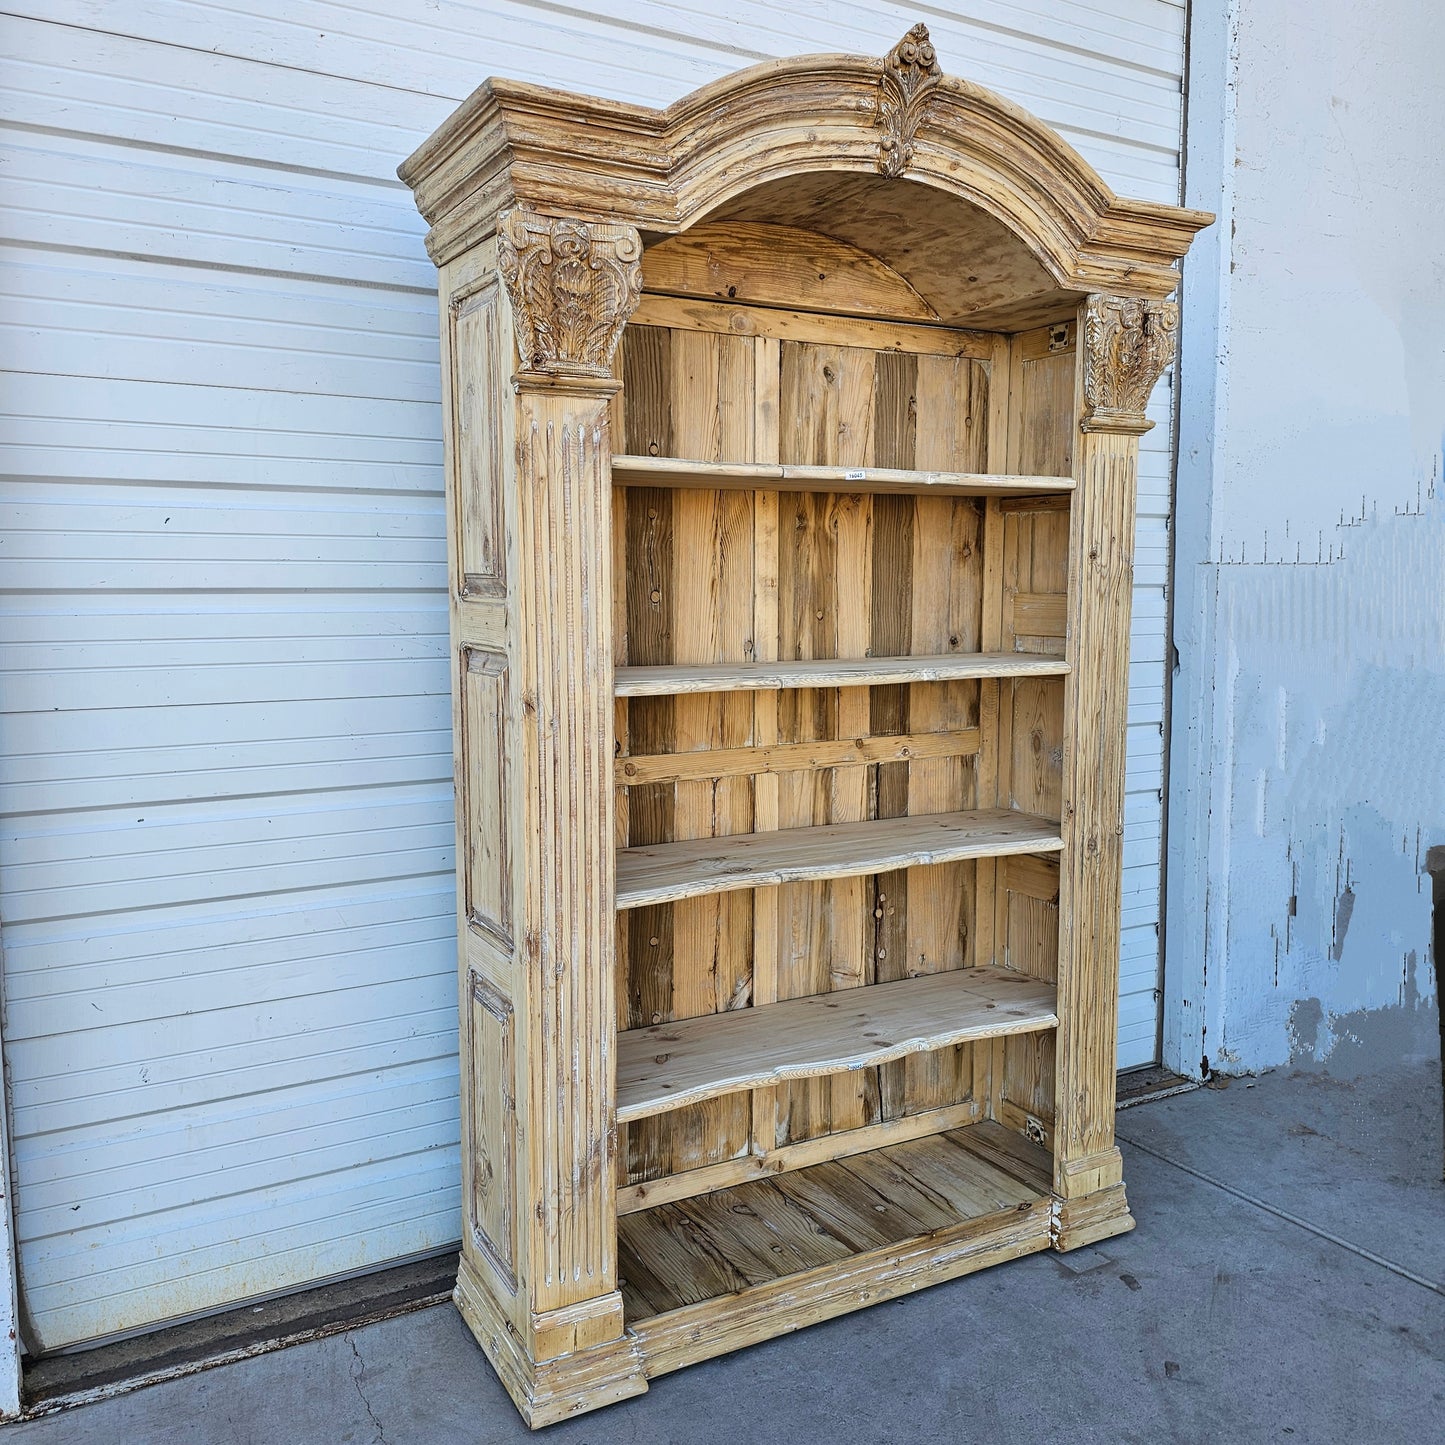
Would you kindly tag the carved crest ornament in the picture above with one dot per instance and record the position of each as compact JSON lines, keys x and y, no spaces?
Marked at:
{"x":1128,"y":342}
{"x":572,"y":284}
{"x":910,"y":71}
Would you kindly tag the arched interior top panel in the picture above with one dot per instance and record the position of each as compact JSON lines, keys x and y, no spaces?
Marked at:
{"x":761,"y":263}
{"x":967,"y":267}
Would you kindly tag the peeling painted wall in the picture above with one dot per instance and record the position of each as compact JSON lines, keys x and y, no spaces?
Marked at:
{"x":1308,"y":753}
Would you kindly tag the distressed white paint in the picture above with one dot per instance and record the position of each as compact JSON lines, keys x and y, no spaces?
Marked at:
{"x":1308,"y":772}
{"x":225,"y":872}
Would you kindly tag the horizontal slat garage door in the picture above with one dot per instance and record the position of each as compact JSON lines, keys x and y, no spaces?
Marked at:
{"x":225,"y":871}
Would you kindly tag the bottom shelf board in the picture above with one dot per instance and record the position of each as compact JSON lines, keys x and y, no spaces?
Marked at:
{"x":713,"y":1273}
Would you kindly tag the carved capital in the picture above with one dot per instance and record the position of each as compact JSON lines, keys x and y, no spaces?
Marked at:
{"x":910,"y":71}
{"x":1127,"y":344}
{"x":573,"y":284}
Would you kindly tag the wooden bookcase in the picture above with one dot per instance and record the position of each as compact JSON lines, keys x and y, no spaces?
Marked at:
{"x":791,"y":447}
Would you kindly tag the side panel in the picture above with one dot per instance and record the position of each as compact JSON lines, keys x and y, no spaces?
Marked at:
{"x":483,"y":794}
{"x":479,"y":357}
{"x":490,"y":1181}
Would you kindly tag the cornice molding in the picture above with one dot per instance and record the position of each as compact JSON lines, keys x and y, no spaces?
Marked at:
{"x":514,"y":144}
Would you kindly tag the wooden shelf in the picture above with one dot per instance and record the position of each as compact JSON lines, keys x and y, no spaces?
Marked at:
{"x":832,"y":672}
{"x":751,"y":476}
{"x":666,"y":872}
{"x":668,"y":1065}
{"x":707,"y":1275}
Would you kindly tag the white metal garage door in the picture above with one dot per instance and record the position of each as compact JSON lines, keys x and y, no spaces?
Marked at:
{"x":225,"y":870}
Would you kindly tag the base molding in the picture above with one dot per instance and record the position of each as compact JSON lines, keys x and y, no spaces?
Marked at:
{"x":1090,"y":1218}
{"x":591,"y":1357}
{"x":546,"y":1391}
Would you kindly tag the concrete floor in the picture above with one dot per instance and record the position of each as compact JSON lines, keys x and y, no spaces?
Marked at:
{"x":1284,"y":1283}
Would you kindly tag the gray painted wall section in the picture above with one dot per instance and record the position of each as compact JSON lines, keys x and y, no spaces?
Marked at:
{"x":1308,"y":744}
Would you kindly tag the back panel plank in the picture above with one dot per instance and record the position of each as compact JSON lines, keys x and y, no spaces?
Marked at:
{"x":691,"y":593}
{"x":850,"y":575}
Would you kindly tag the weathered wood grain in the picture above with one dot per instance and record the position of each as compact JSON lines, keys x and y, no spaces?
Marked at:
{"x":825,"y":672}
{"x":668,"y":871}
{"x":758,"y":762}
{"x":758,"y":264}
{"x":1052,"y":222}
{"x":863,"y":332}
{"x":708,"y":395}
{"x":661,"y":1067}
{"x":800,"y":1155}
{"x":699,"y":823}
{"x":683,"y":472}
{"x":904,"y":1216}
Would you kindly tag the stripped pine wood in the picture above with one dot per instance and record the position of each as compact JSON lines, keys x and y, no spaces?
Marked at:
{"x":1086,"y":1159}
{"x":766,"y":431}
{"x":895,"y":526}
{"x":946,"y":614}
{"x":661,"y":1067}
{"x":826,"y":416}
{"x":782,"y":1237}
{"x":676,"y":1338}
{"x":878,"y":671}
{"x":1010,"y":1152}
{"x":666,"y":471}
{"x":849,"y":1208}
{"x":669,"y":871}
{"x":933,"y":1163}
{"x":801,"y":1155}
{"x":756,"y":264}
{"x":1033,"y":584}
{"x":721,"y":1249}
{"x":646,"y":587}
{"x":1035,"y":745}
{"x":1035,"y":578}
{"x":622,"y":593}
{"x":892,"y":567}
{"x":863,"y":333}
{"x":987,"y":945}
{"x":781,"y":990}
{"x":758,"y":762}
{"x":854,"y":1099}
{"x":709,"y":397}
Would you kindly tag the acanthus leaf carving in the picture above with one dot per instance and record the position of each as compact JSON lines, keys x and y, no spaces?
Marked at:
{"x":1128,"y":342}
{"x":910,"y":71}
{"x":573,"y":285}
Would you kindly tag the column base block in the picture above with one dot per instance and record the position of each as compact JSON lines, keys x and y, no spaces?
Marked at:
{"x":546,"y":1391}
{"x":1090,"y":1218}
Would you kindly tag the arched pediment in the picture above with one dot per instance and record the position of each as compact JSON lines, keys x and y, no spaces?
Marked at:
{"x":940,"y":167}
